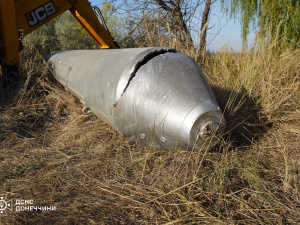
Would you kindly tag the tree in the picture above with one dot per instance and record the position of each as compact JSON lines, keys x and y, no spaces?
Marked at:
{"x":117,"y":26}
{"x":275,"y":19}
{"x":43,"y":39}
{"x":202,"y":45}
{"x":178,"y":19}
{"x":71,"y":34}
{"x":61,"y":33}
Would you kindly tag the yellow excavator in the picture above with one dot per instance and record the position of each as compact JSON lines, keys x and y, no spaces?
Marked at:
{"x":154,"y":96}
{"x":20,"y":17}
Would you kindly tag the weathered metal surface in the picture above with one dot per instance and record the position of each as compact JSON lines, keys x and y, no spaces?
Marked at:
{"x":154,"y":96}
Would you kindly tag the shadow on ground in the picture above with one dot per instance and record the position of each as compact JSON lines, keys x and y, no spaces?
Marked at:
{"x":245,"y":121}
{"x":10,"y":84}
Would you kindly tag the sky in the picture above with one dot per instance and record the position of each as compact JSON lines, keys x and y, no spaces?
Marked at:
{"x":224,"y":31}
{"x":228,"y":31}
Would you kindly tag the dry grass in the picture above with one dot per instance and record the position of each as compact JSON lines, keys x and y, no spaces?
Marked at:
{"x":50,"y":152}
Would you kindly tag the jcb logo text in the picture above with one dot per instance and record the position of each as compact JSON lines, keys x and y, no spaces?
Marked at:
{"x":40,"y":14}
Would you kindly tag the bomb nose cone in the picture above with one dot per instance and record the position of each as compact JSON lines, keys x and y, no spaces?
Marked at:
{"x":154,"y":96}
{"x":169,"y":102}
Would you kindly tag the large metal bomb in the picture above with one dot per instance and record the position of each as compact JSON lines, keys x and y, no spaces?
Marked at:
{"x":154,"y":96}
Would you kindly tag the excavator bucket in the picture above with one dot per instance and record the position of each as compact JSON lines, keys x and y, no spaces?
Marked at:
{"x":154,"y":96}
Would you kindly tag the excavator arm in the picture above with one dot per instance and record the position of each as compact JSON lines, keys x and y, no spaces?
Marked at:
{"x":24,"y":16}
